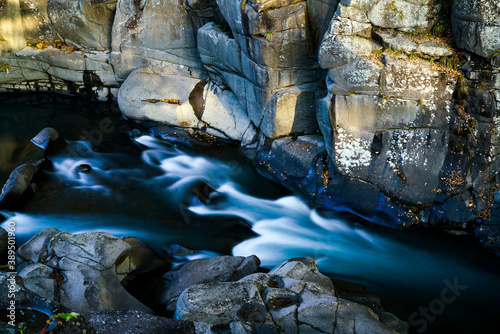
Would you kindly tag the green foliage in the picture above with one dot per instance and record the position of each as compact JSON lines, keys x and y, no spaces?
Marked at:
{"x":439,"y":29}
{"x":454,"y":62}
{"x":269,"y":35}
{"x":472,"y":123}
{"x":4,"y":67}
{"x":429,"y":60}
{"x":378,"y":52}
{"x":413,"y":56}
{"x":421,"y":102}
{"x":392,"y":52}
{"x":59,"y":318}
{"x":462,"y":87}
{"x":446,"y":61}
{"x":21,"y":329}
{"x":243,"y":4}
{"x":399,"y":13}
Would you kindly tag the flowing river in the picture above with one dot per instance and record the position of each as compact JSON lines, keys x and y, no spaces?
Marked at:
{"x":211,"y":199}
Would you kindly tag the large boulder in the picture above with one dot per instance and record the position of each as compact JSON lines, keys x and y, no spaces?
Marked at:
{"x":217,"y":269}
{"x":182,"y":101}
{"x":36,"y":23}
{"x":83,"y":271}
{"x":294,"y":297}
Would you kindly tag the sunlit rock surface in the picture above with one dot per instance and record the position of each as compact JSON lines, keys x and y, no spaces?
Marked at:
{"x":409,"y":123}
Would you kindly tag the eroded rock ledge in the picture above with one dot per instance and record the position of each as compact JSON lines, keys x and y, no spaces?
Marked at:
{"x":388,"y":109}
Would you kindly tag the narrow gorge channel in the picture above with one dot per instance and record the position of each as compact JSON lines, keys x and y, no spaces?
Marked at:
{"x":249,"y":166}
{"x":207,"y":198}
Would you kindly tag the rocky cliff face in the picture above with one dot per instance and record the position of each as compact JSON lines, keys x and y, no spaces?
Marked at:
{"x":400,"y":115}
{"x":389,"y":109}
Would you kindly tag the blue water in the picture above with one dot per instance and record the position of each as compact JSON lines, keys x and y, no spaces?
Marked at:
{"x":213,"y":200}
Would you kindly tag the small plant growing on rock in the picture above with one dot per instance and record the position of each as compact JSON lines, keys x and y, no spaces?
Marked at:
{"x":4,"y":67}
{"x":59,"y":318}
{"x":37,"y":46}
{"x":399,"y":13}
{"x":413,"y":56}
{"x":269,"y":35}
{"x":445,"y":61}
{"x":243,"y":4}
{"x":462,"y":87}
{"x":439,"y":29}
{"x":392,"y":52}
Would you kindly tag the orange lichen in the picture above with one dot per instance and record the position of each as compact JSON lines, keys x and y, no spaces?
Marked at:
{"x":171,"y":101}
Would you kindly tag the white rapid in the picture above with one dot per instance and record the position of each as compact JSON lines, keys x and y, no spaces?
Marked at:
{"x":169,"y":194}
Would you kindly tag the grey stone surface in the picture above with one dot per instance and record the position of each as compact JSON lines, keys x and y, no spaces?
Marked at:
{"x":136,"y":41}
{"x":294,"y":297}
{"x":217,"y":269}
{"x":403,"y":14}
{"x":476,"y":26}
{"x":19,"y":180}
{"x":83,"y":271}
{"x":136,"y":322}
{"x":85,"y":23}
